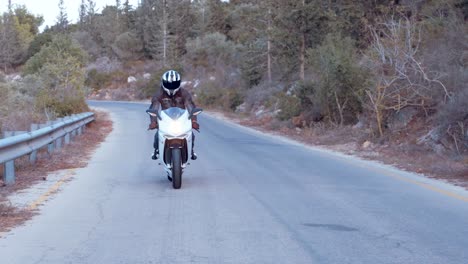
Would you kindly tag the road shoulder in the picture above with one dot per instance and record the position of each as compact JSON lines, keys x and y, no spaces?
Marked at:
{"x":39,"y":183}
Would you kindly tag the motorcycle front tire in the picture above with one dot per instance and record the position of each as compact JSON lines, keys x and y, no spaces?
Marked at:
{"x":176,"y":168}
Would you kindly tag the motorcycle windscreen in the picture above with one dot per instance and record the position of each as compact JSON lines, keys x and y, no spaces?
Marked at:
{"x":175,"y":112}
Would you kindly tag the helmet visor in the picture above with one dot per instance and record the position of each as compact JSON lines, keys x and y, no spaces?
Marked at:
{"x":171,"y":85}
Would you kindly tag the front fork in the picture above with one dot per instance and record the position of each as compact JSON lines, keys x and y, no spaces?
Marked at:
{"x":168,"y":144}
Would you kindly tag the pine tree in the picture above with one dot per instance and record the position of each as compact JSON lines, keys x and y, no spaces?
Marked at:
{"x":90,"y":25}
{"x":128,"y":15}
{"x":82,"y":14}
{"x":216,"y":16}
{"x":179,"y":29}
{"x":62,"y":18}
{"x":298,"y":26}
{"x":252,"y":26}
{"x":10,"y":53}
{"x":150,"y":29}
{"x":164,"y":29}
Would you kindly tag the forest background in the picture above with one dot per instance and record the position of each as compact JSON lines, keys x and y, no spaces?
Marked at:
{"x":384,"y":73}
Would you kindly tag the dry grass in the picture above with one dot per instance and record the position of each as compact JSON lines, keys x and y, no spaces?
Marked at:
{"x":74,"y":155}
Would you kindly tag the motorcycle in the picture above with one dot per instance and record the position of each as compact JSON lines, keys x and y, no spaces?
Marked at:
{"x":175,"y":138}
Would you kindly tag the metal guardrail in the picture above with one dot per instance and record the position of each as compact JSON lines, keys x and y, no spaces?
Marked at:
{"x":52,"y":135}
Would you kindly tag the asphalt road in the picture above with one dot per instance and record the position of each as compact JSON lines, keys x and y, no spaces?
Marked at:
{"x":249,"y":198}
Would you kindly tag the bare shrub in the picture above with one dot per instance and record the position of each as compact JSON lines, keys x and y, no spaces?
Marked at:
{"x":16,"y":110}
{"x":210,"y":51}
{"x":263,"y":94}
{"x":290,"y":106}
{"x":445,"y":45}
{"x":87,"y":42}
{"x":210,"y":95}
{"x":121,"y":95}
{"x":401,"y":78}
{"x":453,"y":119}
{"x":104,"y":65}
{"x":339,"y":82}
{"x":30,"y":85}
{"x":128,"y":46}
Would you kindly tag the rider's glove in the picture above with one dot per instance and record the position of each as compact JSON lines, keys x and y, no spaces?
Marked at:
{"x":195,"y":125}
{"x":153,"y":125}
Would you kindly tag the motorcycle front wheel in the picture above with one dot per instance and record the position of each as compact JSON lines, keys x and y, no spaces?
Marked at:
{"x":176,"y":168}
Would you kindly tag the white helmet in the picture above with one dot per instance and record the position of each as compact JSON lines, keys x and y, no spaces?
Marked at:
{"x":170,"y":82}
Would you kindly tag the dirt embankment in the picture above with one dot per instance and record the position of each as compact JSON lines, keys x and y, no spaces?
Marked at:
{"x":74,"y":155}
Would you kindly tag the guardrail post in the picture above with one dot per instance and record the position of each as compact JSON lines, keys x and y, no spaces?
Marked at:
{"x":9,"y":167}
{"x":58,"y":141}
{"x":50,"y":146}
{"x":33,"y":155}
{"x":67,"y":138}
{"x":67,"y":135}
{"x":9,"y":172}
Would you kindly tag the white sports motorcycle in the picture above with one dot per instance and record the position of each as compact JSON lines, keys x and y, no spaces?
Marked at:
{"x":175,"y":138}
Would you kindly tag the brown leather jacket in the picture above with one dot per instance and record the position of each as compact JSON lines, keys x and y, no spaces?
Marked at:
{"x":182,"y":99}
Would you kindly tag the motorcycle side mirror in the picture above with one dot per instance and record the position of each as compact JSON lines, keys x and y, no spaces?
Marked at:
{"x":154,"y":113}
{"x":195,"y":111}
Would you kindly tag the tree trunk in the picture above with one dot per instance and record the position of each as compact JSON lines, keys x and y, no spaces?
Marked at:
{"x":164,"y":33}
{"x":269,"y":47}
{"x":302,"y":50}
{"x":302,"y":59}
{"x":341,"y":108}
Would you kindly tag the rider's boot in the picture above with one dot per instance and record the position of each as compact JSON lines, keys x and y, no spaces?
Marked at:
{"x":194,"y":155}
{"x":155,"y":155}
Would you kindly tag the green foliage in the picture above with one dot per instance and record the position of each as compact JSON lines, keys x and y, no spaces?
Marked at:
{"x":235,"y":45}
{"x":4,"y":97}
{"x":18,"y":29}
{"x":233,"y":99}
{"x":216,"y":16}
{"x":211,"y":51}
{"x":59,"y":68}
{"x":127,"y":46}
{"x":29,"y":21}
{"x":98,"y":80}
{"x":164,"y":28}
{"x":107,"y":28}
{"x":251,"y":68}
{"x":210,"y":95}
{"x":290,"y":106}
{"x":61,"y":47}
{"x":63,"y":91}
{"x":341,"y":81}
{"x":10,"y":41}
{"x":298,"y":26}
{"x":60,"y":107}
{"x":36,"y":45}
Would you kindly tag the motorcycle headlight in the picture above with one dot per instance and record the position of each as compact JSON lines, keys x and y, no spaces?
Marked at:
{"x":176,"y":129}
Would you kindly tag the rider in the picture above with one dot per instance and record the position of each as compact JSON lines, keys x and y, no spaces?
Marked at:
{"x":171,"y":95}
